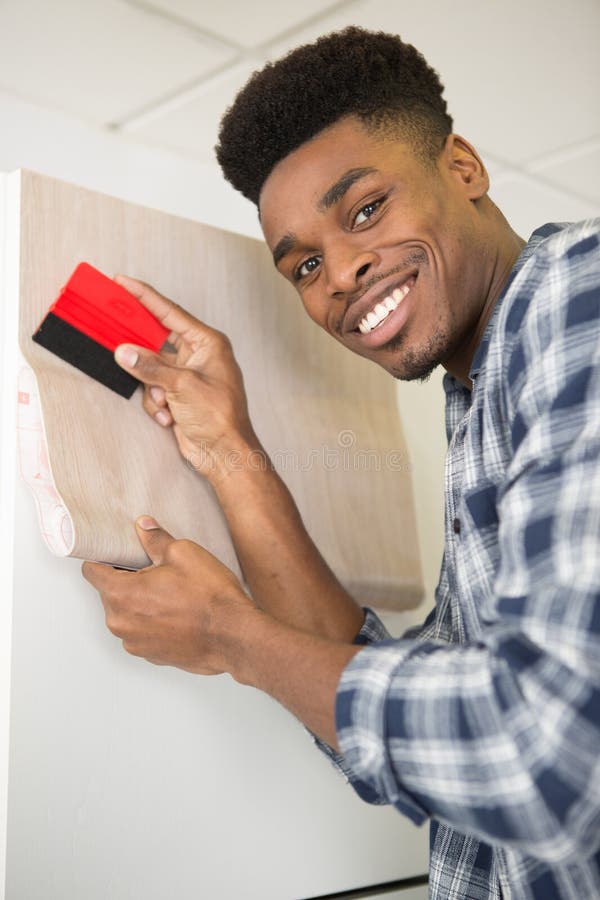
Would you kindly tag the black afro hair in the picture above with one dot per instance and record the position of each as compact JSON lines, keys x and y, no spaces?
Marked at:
{"x":371,"y":75}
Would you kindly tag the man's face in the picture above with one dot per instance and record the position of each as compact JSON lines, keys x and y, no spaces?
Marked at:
{"x":385,"y":251}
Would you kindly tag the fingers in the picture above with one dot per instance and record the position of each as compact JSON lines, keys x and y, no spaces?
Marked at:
{"x":103,"y":576}
{"x":158,"y":396}
{"x":170,"y":314}
{"x":192,"y":343}
{"x":148,"y":367}
{"x":154,"y":539}
{"x":155,"y":404}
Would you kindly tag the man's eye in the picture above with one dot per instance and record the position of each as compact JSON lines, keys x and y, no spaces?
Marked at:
{"x":366,"y":212}
{"x":307,"y":267}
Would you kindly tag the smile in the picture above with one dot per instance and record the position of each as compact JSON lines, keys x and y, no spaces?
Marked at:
{"x":381,"y":310}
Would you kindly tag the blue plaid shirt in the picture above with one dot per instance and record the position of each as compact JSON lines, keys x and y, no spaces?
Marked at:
{"x":487,"y":719}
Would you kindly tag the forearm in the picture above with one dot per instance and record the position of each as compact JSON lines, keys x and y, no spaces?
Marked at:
{"x":286,"y":574}
{"x":299,"y":670}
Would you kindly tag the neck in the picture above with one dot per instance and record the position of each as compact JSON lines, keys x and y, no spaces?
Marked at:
{"x":502,"y":259}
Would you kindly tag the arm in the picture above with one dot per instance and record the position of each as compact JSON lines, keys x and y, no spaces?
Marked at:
{"x":199,"y":392}
{"x":285,"y":572}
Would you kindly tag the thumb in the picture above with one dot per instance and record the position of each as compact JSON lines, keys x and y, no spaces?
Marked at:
{"x":154,"y":539}
{"x":147,"y":366}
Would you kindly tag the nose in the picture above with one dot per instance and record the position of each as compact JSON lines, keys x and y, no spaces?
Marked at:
{"x":346,"y":267}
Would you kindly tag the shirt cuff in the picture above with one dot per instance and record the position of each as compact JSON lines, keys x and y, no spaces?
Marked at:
{"x":373,"y":630}
{"x":361,"y":710}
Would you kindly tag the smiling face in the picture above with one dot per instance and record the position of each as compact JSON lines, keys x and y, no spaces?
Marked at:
{"x":390,"y":255}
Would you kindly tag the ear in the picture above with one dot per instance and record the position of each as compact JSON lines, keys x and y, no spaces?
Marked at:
{"x":465,"y":166}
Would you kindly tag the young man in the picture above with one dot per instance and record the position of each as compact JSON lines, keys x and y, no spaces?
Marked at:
{"x":487,"y":719}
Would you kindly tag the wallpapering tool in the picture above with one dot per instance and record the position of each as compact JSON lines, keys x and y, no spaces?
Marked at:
{"x":90,"y":318}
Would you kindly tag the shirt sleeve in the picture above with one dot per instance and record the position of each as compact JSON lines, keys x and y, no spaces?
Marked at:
{"x":374,"y":631}
{"x":499,"y":737}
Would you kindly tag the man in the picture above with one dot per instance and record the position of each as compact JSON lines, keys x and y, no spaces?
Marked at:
{"x":487,"y":719}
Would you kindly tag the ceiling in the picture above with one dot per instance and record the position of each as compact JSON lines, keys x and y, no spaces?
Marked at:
{"x":521,"y":77}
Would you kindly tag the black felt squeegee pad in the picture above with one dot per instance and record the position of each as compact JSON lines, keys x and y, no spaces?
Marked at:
{"x":85,"y":354}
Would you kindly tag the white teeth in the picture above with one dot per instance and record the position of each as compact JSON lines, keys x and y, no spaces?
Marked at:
{"x":382,"y":310}
{"x":400,"y":293}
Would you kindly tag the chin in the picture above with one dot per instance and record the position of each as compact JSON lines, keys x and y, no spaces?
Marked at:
{"x":410,"y":363}
{"x":414,"y":374}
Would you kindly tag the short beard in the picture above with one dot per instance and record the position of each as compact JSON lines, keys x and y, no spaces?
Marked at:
{"x":417,"y":363}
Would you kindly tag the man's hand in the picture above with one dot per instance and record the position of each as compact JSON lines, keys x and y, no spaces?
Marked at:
{"x":189,"y":611}
{"x":198,"y":389}
{"x":178,"y":611}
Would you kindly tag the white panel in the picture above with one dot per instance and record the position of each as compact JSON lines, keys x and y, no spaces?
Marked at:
{"x":521,"y":78}
{"x":575,"y":170}
{"x":190,"y":123}
{"x":9,"y":268}
{"x":102,"y":60}
{"x":248,"y":24}
{"x":130,"y":781}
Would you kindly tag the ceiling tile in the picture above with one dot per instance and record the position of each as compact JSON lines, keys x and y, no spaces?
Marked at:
{"x":101,"y":60}
{"x":305,"y":34}
{"x":521,"y":78}
{"x":190,"y":123}
{"x":247,"y":24}
{"x":577,"y":170}
{"x":528,"y":204}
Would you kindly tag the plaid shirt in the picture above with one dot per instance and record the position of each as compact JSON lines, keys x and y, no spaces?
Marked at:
{"x":487,"y":718}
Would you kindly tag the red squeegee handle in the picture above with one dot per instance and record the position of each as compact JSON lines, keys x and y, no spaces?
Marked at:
{"x":104,"y":311}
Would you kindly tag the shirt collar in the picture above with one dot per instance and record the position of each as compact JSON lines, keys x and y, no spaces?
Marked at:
{"x":537,"y":237}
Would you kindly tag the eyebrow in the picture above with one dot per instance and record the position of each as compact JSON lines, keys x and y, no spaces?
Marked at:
{"x":335,"y":193}
{"x":283,"y":247}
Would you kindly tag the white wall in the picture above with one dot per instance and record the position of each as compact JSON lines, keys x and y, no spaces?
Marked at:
{"x":7,"y":468}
